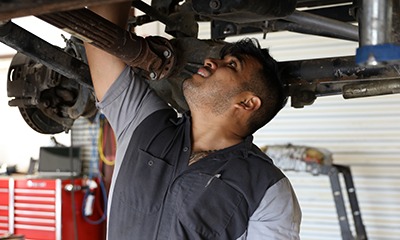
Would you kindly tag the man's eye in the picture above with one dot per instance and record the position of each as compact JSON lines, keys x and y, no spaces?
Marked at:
{"x":232,"y":64}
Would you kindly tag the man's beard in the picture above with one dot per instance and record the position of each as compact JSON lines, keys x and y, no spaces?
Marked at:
{"x":213,"y":100}
{"x":189,"y":92}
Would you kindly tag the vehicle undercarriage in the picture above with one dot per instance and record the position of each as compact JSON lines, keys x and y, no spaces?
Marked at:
{"x":52,"y":86}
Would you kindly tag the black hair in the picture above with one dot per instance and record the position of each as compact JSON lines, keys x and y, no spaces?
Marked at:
{"x":264,"y":83}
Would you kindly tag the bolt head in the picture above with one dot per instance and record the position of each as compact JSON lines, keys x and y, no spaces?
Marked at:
{"x":167,"y":53}
{"x":215,"y":4}
{"x":153,"y":76}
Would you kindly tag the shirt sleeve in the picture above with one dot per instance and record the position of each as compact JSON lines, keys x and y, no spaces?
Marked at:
{"x":129,"y":101}
{"x":277,"y":217}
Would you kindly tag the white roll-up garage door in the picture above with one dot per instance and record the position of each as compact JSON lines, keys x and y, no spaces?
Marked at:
{"x":363,"y":134}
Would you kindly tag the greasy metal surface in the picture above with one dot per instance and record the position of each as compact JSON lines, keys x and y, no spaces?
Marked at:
{"x":371,"y":88}
{"x":179,"y":18}
{"x":169,"y":61}
{"x":154,"y":55}
{"x":307,"y":80}
{"x":222,"y":29}
{"x":48,"y":101}
{"x":329,"y":21}
{"x":241,"y":11}
{"x":19,"y":8}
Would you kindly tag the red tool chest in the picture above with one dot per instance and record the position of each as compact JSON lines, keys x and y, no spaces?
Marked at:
{"x":47,"y":209}
{"x":4,"y":206}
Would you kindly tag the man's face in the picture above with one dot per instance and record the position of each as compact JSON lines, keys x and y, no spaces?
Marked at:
{"x":214,"y":85}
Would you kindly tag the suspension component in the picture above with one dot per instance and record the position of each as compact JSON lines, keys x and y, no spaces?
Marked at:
{"x":153,"y":55}
{"x":48,"y":101}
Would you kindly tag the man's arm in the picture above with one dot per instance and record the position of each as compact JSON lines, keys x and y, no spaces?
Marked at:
{"x":278,"y":216}
{"x":104,"y":67}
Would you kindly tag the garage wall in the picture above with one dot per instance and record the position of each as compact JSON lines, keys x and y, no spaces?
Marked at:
{"x":361,"y":133}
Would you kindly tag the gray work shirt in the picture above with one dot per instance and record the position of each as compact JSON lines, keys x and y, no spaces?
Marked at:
{"x":129,"y":101}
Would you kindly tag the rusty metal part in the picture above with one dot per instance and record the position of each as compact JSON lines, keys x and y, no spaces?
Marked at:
{"x":308,"y":79}
{"x":154,"y":55}
{"x":19,"y":8}
{"x":49,"y":102}
{"x":185,"y":22}
{"x":164,"y":6}
{"x":180,"y":22}
{"x":241,"y":11}
{"x":372,"y":88}
{"x":45,"y":53}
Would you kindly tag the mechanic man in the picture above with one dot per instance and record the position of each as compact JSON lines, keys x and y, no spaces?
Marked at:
{"x":197,"y":176}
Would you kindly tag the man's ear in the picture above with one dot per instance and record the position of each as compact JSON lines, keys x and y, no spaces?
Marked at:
{"x":250,"y":103}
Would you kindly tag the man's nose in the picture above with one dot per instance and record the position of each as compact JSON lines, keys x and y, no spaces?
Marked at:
{"x":211,"y":63}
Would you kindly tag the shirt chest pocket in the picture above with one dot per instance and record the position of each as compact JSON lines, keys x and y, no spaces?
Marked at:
{"x":142,"y":183}
{"x":209,"y":206}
